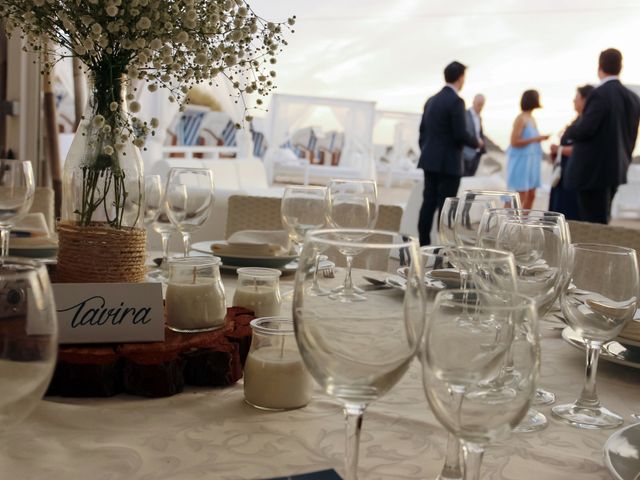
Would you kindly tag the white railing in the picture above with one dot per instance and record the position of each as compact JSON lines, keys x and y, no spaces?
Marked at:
{"x":210,"y":152}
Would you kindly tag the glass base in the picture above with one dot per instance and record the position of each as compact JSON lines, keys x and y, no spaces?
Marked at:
{"x":533,"y":421}
{"x":450,"y":476}
{"x":543,"y":397}
{"x":157,"y":275}
{"x":194,"y":330}
{"x":345,"y":297}
{"x":586,"y":417}
{"x":341,"y":288}
{"x":271,"y":409}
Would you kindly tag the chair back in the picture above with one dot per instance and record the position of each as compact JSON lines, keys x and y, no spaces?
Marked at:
{"x":585,"y":232}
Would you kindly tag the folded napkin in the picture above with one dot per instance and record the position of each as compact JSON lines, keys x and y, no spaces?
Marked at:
{"x":32,"y":231}
{"x":254,"y":243}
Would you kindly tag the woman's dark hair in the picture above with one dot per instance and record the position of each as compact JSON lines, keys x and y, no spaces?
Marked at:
{"x":585,"y":90}
{"x":530,"y":100}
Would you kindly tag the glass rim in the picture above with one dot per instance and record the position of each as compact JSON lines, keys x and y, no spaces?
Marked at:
{"x":604,"y":247}
{"x":257,"y":325}
{"x":525,"y":300}
{"x":259,"y":272}
{"x":305,"y":187}
{"x":318,"y":234}
{"x":499,"y":254}
{"x":524,"y":211}
{"x":196,"y":261}
{"x":489,"y":192}
{"x":28,"y":265}
{"x":352,"y":180}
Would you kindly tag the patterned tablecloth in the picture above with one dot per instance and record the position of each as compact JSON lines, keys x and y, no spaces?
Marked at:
{"x":204,"y":433}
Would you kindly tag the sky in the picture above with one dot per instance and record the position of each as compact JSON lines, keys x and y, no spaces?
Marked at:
{"x":393,"y":53}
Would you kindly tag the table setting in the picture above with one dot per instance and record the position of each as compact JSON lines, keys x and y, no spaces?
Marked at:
{"x":372,"y":358}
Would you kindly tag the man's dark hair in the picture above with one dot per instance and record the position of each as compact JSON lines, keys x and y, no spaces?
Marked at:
{"x":585,"y":90}
{"x":610,"y":61}
{"x":530,"y":100}
{"x":453,"y":72}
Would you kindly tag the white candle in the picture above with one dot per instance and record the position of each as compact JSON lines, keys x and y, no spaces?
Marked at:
{"x":264,"y":300}
{"x":195,"y":306}
{"x":276,"y":378}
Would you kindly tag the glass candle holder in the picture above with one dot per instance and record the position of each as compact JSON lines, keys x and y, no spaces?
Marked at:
{"x":274,"y":376}
{"x":195,"y":299}
{"x":258,"y":289}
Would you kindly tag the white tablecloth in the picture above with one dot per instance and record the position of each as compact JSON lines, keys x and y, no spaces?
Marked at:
{"x":213,"y":434}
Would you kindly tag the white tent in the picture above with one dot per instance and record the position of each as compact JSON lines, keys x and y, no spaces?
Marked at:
{"x":396,"y":145}
{"x":325,"y":121}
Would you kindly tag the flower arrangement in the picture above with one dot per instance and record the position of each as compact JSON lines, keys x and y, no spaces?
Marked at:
{"x":171,"y":44}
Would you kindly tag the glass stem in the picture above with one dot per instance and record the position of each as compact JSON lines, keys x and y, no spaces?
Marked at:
{"x":315,"y":287}
{"x":353,"y":415}
{"x":165,"y":236}
{"x":475,"y":452}
{"x":348,"y":281}
{"x":589,"y":396}
{"x":186,"y":242}
{"x":451,"y":469}
{"x":5,"y":232}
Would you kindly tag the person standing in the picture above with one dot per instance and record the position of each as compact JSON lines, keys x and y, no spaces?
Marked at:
{"x":604,"y":137}
{"x":443,"y":133}
{"x":562,"y":199}
{"x":524,"y":156}
{"x":471,"y":156}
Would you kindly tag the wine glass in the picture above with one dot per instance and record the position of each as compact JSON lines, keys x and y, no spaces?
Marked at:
{"x":303,"y":209}
{"x":459,"y":357}
{"x":471,"y":207}
{"x":155,"y":218}
{"x":358,"y":351}
{"x":447,"y":221}
{"x":188,"y":200}
{"x":351,"y":204}
{"x":601,"y":298}
{"x":17,"y":188}
{"x":28,"y":337}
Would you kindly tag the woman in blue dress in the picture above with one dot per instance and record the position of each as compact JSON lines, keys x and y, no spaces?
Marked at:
{"x":524,"y":156}
{"x":563,"y":199}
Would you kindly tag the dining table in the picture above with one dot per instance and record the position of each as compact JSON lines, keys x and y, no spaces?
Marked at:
{"x":211,"y":433}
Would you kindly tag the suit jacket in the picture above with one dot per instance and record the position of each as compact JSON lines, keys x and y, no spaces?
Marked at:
{"x":443,"y":133}
{"x":604,"y":137}
{"x":469,"y":153}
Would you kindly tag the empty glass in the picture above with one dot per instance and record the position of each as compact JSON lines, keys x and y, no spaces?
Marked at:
{"x":459,"y":357}
{"x":17,"y":188}
{"x":447,"y":222}
{"x":601,"y":298}
{"x":358,"y":351}
{"x":472,"y":205}
{"x":302,"y":209}
{"x":189,"y":197}
{"x":351,"y":204}
{"x":28,"y":337}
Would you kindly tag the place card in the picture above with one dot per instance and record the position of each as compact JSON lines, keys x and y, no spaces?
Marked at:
{"x":109,"y":312}
{"x":321,"y":475}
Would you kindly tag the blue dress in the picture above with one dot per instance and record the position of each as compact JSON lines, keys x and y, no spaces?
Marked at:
{"x":524,"y":163}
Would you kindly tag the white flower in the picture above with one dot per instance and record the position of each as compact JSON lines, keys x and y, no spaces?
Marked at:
{"x":98,"y":120}
{"x":112,"y":10}
{"x":108,"y":150}
{"x":134,"y":107}
{"x":144,"y":23}
{"x":113,"y":106}
{"x":155,"y":122}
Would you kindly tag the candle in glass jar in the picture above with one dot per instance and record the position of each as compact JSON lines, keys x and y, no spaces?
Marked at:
{"x":275,"y":378}
{"x":264,"y":300}
{"x":195,"y":306}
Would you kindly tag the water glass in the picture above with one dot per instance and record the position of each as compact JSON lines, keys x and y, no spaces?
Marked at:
{"x":17,"y":188}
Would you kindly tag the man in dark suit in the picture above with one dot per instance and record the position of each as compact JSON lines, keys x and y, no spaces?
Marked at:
{"x":443,"y":133}
{"x":471,"y":156}
{"x":603,"y":140}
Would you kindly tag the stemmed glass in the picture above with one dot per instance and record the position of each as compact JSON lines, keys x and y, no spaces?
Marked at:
{"x":188,"y":200}
{"x":454,"y":378}
{"x":28,"y":337}
{"x":600,"y":300}
{"x":17,"y":188}
{"x":447,"y":222}
{"x":358,"y":351}
{"x":303,"y":209}
{"x":351,"y":204}
{"x":155,"y":217}
{"x":470,"y":209}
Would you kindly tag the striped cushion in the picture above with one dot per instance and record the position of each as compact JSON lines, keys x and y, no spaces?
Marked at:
{"x":189,"y":128}
{"x":229,"y":134}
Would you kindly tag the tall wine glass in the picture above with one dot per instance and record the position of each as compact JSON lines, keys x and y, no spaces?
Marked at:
{"x":472,"y":205}
{"x":17,"y":188}
{"x":188,"y":217}
{"x":358,"y":351}
{"x":303,"y":209}
{"x":155,"y":218}
{"x":28,"y":337}
{"x":447,"y":222}
{"x":600,"y":300}
{"x":459,"y":357}
{"x":351,"y":204}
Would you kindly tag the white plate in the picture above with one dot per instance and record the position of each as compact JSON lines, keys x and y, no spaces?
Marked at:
{"x":612,"y":351}
{"x":235,"y":261}
{"x":622,"y":453}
